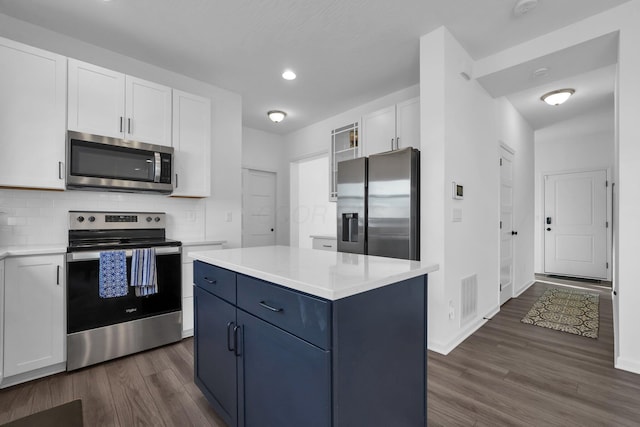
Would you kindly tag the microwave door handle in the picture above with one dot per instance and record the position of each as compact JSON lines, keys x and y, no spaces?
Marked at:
{"x":157,"y":167}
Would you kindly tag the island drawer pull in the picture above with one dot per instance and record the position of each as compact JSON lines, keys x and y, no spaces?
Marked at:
{"x":268,"y":307}
{"x":236,"y":349}
{"x":228,"y":337}
{"x":209,"y":281}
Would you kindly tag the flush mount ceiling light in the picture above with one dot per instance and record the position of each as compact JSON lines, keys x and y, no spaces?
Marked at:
{"x":276,"y":116}
{"x":288,"y":75}
{"x":557,"y":97}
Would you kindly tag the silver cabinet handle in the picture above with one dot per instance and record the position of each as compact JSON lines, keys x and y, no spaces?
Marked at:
{"x":392,"y":143}
{"x":129,"y":126}
{"x":177,"y":181}
{"x":397,"y":143}
{"x":60,"y":170}
{"x":121,"y":123}
{"x":58,"y":275}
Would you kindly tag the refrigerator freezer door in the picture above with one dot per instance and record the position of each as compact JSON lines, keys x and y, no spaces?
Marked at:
{"x":393,"y":210}
{"x":351,"y":208}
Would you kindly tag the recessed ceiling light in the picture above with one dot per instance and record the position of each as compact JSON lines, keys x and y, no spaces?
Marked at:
{"x":288,"y":75}
{"x":276,"y":116}
{"x":557,"y":97}
{"x":523,"y":7}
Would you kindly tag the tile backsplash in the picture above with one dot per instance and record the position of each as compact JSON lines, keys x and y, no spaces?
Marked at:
{"x":33,"y":217}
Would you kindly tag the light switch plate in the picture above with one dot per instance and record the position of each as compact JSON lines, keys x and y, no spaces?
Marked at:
{"x":456,"y":215}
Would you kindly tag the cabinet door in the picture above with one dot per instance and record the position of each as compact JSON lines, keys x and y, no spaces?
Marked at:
{"x":408,"y":124}
{"x":34,"y":313}
{"x":379,"y":131}
{"x":283,"y":380}
{"x":96,"y":100}
{"x":215,"y":364}
{"x":148,"y":112}
{"x":192,"y":144}
{"x":32,"y":116}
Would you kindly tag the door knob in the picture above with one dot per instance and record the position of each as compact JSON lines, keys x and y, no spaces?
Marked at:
{"x":272,"y":229}
{"x":548,"y":229}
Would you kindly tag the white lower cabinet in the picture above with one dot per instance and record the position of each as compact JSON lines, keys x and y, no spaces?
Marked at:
{"x":187,"y":284}
{"x":34,"y":321}
{"x":324,"y":243}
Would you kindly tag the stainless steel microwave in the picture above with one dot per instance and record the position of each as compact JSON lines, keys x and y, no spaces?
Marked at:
{"x":110,"y":164}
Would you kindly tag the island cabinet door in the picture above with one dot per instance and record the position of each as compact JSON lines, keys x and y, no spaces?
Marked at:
{"x":283,"y":380}
{"x":215,"y":355}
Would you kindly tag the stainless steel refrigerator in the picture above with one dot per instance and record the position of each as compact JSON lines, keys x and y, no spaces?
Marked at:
{"x":379,"y":204}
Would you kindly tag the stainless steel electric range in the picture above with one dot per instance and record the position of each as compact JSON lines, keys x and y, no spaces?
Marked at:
{"x":100,"y":328}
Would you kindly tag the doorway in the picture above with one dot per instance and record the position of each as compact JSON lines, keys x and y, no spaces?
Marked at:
{"x":258,"y":208}
{"x":575,"y":221}
{"x":507,"y":231}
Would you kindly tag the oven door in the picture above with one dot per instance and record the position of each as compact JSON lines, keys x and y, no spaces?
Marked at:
{"x":87,"y":310}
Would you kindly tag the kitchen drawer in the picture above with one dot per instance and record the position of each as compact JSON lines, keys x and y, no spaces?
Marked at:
{"x":324,"y":244}
{"x":302,"y":315}
{"x":216,"y":280}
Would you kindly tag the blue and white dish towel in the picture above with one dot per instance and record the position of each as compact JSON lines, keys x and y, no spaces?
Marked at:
{"x":143,"y":272}
{"x":113,"y":274}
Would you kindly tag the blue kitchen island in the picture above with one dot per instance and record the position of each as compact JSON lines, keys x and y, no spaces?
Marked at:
{"x":301,"y":337}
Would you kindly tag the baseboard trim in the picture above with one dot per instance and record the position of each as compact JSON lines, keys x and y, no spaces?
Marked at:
{"x":446,"y":348}
{"x":632,"y":366}
{"x":524,"y":288}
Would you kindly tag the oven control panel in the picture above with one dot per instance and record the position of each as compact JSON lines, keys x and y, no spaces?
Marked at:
{"x":83,"y":220}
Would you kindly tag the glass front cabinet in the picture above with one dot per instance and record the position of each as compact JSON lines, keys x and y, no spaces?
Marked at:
{"x":345,"y":145}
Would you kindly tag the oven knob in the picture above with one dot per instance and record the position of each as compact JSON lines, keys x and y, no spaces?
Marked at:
{"x":81,"y":219}
{"x":157,"y":219}
{"x":148,"y":219}
{"x":92,"y":218}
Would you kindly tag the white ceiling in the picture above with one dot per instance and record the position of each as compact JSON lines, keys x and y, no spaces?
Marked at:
{"x":345,"y":52}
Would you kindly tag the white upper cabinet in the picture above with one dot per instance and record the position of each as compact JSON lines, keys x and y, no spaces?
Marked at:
{"x":379,"y":131}
{"x":192,"y":144}
{"x":96,"y":100}
{"x":392,"y":128}
{"x":148,"y":110}
{"x":32,"y":116}
{"x":408,"y":124}
{"x":105,"y":102}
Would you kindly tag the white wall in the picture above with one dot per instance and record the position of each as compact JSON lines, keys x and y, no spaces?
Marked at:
{"x":268,"y":152}
{"x":516,"y":133}
{"x":461,"y":130}
{"x":312,"y":213}
{"x":226,"y":123}
{"x":583,"y":143}
{"x":459,"y":143}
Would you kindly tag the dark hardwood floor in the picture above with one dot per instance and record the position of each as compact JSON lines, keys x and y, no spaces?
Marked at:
{"x":510,"y":373}
{"x":507,"y":373}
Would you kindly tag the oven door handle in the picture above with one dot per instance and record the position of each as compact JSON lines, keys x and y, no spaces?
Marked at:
{"x":95,"y":255}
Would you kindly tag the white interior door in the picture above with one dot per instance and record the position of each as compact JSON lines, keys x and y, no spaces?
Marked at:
{"x":575,"y":224}
{"x":258,"y":208}
{"x":506,"y":225}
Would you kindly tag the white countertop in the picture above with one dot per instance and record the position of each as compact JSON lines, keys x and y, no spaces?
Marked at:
{"x":329,"y":275}
{"x":203,"y":242}
{"x":32,"y":250}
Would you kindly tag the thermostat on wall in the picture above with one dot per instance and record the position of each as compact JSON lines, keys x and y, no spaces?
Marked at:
{"x":458,"y":191}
